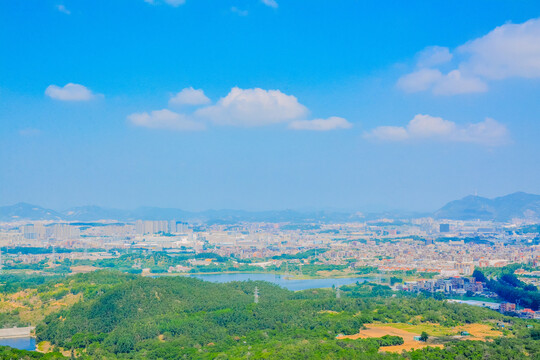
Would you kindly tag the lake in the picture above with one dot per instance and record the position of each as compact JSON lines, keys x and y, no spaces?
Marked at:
{"x":291,"y":284}
{"x":23,"y":343}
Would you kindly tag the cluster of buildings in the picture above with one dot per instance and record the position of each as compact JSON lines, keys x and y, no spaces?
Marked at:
{"x":449,"y":251}
{"x":463,"y":286}
{"x":447,"y":248}
{"x":455,"y":285}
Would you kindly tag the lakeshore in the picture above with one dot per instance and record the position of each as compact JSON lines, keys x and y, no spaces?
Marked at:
{"x":16,"y":332}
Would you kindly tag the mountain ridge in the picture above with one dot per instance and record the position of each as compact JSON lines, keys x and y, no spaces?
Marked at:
{"x":502,"y":209}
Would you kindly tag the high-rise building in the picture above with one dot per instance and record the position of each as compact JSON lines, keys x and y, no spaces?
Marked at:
{"x":444,"y":228}
{"x":172,"y":226}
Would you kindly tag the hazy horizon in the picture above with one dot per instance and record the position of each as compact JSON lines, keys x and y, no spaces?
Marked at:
{"x":366,"y":209}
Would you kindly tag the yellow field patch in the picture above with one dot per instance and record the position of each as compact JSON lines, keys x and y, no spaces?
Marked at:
{"x":376,"y":331}
{"x":480,"y":332}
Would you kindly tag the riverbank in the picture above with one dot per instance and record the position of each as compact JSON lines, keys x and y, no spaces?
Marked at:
{"x":282,"y":274}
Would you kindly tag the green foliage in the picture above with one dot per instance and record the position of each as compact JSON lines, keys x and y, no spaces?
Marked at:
{"x":389,"y":340}
{"x":10,"y":353}
{"x":11,"y":283}
{"x":124,"y":316}
{"x":511,"y":289}
{"x":200,"y":319}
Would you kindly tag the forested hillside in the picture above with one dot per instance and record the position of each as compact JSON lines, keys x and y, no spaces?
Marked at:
{"x":176,"y":318}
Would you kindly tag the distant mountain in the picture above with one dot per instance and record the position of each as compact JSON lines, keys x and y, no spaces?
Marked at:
{"x":505,"y":208}
{"x":228,"y":216}
{"x":23,"y":211}
{"x":92,"y":213}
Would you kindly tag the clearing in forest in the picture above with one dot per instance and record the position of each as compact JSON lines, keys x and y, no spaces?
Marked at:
{"x":408,"y":332}
{"x":376,"y":331}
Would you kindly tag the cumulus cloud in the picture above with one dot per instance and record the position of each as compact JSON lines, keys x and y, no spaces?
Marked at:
{"x":165,"y":119}
{"x":450,"y":84}
{"x":388,"y":133}
{"x":254,"y":107}
{"x":332,"y":123}
{"x":271,"y":3}
{"x":70,"y":92}
{"x":419,"y":80}
{"x":241,"y":108}
{"x":455,"y":83}
{"x":63,"y":9}
{"x":510,"y":50}
{"x":433,"y":55}
{"x":488,"y":132}
{"x":426,"y":126}
{"x":189,"y":96}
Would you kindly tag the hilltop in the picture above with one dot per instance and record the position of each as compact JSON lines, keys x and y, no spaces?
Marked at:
{"x":505,"y":208}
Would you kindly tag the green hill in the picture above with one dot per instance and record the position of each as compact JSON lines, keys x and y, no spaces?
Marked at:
{"x":185,"y":318}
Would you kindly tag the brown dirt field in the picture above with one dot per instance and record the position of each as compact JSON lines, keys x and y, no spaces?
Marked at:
{"x":478,"y":331}
{"x":326,"y":273}
{"x":37,"y":309}
{"x":23,"y":294}
{"x":83,"y":269}
{"x":378,"y":331}
{"x":46,"y":347}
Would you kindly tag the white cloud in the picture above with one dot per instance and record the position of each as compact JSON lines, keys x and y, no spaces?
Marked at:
{"x":239,"y":12}
{"x":254,"y":107}
{"x":433,"y":55}
{"x":455,"y":83}
{"x":332,"y":123}
{"x":240,"y":107}
{"x":165,"y":119}
{"x":426,"y":126}
{"x":450,"y":84}
{"x":271,"y":3}
{"x":420,"y":80}
{"x":70,"y":92}
{"x":488,"y":132}
{"x":189,"y":96}
{"x":63,"y":9}
{"x":388,"y":133}
{"x":510,"y":50}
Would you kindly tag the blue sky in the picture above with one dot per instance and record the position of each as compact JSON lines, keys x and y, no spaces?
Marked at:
{"x":249,"y":104}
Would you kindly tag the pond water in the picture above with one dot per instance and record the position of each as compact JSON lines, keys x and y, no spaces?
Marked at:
{"x":23,"y":343}
{"x":291,"y":284}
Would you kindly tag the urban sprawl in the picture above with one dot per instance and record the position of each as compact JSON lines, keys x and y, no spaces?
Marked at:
{"x":420,"y":255}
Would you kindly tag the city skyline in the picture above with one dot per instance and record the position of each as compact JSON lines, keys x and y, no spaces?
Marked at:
{"x":267,"y":105}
